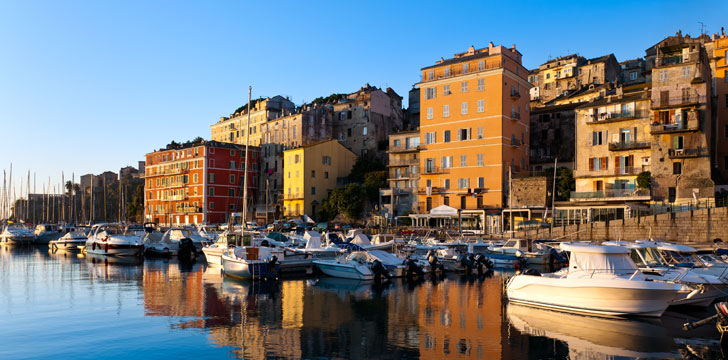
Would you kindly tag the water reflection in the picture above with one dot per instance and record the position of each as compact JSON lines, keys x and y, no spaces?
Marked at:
{"x":162,"y":307}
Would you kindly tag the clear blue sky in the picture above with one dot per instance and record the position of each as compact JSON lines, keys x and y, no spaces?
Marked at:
{"x":93,"y":86}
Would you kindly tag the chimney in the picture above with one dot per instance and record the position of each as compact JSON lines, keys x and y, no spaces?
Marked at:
{"x":620,"y":92}
{"x":513,"y":47}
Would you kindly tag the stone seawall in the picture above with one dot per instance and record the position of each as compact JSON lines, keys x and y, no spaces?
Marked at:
{"x":689,"y":227}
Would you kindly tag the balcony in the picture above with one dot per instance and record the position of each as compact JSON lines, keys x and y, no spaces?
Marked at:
{"x":677,"y":101}
{"x":432,"y":170}
{"x":687,"y":153}
{"x":613,"y":194}
{"x":628,"y":170}
{"x":515,"y":94}
{"x":293,"y":197}
{"x":403,"y":162}
{"x":433,"y":190}
{"x":628,"y":145}
{"x":403,"y":148}
{"x":188,"y":209}
{"x":608,"y":117}
{"x":516,"y":116}
{"x":456,"y":70}
{"x":659,"y":128}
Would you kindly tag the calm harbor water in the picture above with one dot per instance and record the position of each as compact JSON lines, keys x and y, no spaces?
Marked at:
{"x":66,"y":305}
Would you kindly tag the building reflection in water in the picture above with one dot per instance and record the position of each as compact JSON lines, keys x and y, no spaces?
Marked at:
{"x":453,"y":317}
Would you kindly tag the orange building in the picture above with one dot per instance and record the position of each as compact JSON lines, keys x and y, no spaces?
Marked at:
{"x":720,"y":56}
{"x":197,"y":183}
{"x":474,"y":120}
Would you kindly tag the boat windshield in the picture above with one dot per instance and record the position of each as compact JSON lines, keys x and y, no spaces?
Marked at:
{"x":17,"y":227}
{"x":647,"y":257}
{"x":112,"y":230}
{"x":681,"y":259}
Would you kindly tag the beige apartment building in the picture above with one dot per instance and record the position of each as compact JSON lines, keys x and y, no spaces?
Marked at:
{"x":232,"y":129}
{"x":403,"y":175}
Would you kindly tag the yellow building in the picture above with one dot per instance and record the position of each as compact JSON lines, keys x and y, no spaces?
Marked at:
{"x":474,"y":125}
{"x":311,"y":173}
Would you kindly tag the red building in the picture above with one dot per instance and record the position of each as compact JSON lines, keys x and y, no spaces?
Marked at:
{"x":198,"y":183}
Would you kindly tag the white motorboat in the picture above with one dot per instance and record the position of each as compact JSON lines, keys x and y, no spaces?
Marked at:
{"x":532,"y":252}
{"x":16,"y":233}
{"x":73,"y":240}
{"x":699,"y":289}
{"x":159,"y":244}
{"x":600,"y":280}
{"x":353,"y":266}
{"x":391,"y":262}
{"x":213,"y":253}
{"x":248,"y":262}
{"x":113,"y":239}
{"x":686,"y":256}
{"x":45,"y":233}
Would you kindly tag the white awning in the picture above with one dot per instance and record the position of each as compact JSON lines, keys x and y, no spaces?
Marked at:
{"x":444,"y":210}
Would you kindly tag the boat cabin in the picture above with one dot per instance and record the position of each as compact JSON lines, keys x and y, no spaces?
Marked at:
{"x":45,"y":228}
{"x":599,"y":259}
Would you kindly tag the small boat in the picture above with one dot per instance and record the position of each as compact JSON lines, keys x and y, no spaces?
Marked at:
{"x":73,"y":240}
{"x":45,"y":233}
{"x":113,"y":239}
{"x":698,"y":289}
{"x":248,"y":262}
{"x":353,"y":266}
{"x":533,"y":253}
{"x":687,"y":257}
{"x":226,"y":240}
{"x":600,"y":280}
{"x":16,"y":233}
{"x":391,"y":262}
{"x":157,"y":244}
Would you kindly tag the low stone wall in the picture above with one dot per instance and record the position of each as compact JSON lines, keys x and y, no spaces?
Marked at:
{"x":689,"y":227}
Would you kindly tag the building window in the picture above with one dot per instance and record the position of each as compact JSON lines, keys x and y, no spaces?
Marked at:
{"x":464,"y":108}
{"x":481,"y":65}
{"x":463,"y":160}
{"x":686,"y":71}
{"x":212,"y":204}
{"x":232,"y":179}
{"x":463,"y":134}
{"x":447,"y":71}
{"x":663,"y":75}
{"x":313,"y":173}
{"x":195,"y":178}
{"x":446,"y":136}
{"x":480,"y":159}
{"x":676,"y":168}
{"x":598,"y":138}
{"x":326,"y":174}
{"x":446,"y":162}
{"x":313,"y":190}
{"x":465,"y":68}
{"x":430,"y":138}
{"x":447,"y":184}
{"x":480,"y":132}
{"x":446,"y":90}
{"x":446,"y":200}
{"x":212,"y":191}
{"x":481,"y":84}
{"x":481,"y":182}
{"x":463,"y":183}
{"x":231,"y":192}
{"x":481,"y":106}
{"x":446,"y":111}
{"x":431,"y":74}
{"x":430,"y":93}
{"x":464,"y":86}
{"x":364,"y":131}
{"x":211,"y":177}
{"x":429,"y":113}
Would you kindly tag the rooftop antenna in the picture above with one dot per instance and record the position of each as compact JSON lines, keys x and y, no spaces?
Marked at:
{"x":702,"y":27}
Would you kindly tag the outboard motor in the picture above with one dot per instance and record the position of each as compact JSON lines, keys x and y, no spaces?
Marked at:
{"x":412,"y":269}
{"x":187,"y":250}
{"x":482,"y":263}
{"x":434,"y":262}
{"x":467,"y":262}
{"x":379,"y":270}
{"x":272,"y":266}
{"x":721,"y":323}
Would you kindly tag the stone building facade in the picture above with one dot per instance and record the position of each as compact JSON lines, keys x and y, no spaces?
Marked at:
{"x":552,"y":132}
{"x":232,"y":129}
{"x":403,"y":175}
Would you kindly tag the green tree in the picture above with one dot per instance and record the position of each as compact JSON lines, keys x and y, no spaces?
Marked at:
{"x":565,"y":182}
{"x":364,"y":165}
{"x":373,"y":181}
{"x":643,"y":180}
{"x":348,"y":200}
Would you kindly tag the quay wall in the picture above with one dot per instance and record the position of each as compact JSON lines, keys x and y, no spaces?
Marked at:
{"x":689,"y":227}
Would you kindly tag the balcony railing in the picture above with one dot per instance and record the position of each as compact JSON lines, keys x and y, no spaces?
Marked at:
{"x":627,"y":170}
{"x":628,"y":145}
{"x":404,"y":162}
{"x":614,"y":194}
{"x":188,"y":209}
{"x":428,"y":170}
{"x":516,"y":116}
{"x":293,"y":196}
{"x":677,"y":101}
{"x":434,"y":190}
{"x":658,"y":128}
{"x":616,"y":116}
{"x":515,"y":94}
{"x":687,"y":153}
{"x":403,"y":148}
{"x":456,"y":70}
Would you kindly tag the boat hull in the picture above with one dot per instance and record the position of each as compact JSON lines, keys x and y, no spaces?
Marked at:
{"x":332,"y":268}
{"x":114,"y":250}
{"x":248,"y":269}
{"x":618,"y":297}
{"x":46,"y":238}
{"x":17,"y":240}
{"x":213,"y":255}
{"x":67,"y":244}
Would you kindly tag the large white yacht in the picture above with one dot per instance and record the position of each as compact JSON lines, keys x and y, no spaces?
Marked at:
{"x":600,"y":280}
{"x":113,"y":239}
{"x":16,"y":233}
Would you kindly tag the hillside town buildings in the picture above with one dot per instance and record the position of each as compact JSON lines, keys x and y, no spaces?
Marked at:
{"x":403,"y":174}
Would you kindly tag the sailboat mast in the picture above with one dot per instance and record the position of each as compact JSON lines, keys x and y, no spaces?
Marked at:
{"x":510,"y":198}
{"x":245,"y":170}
